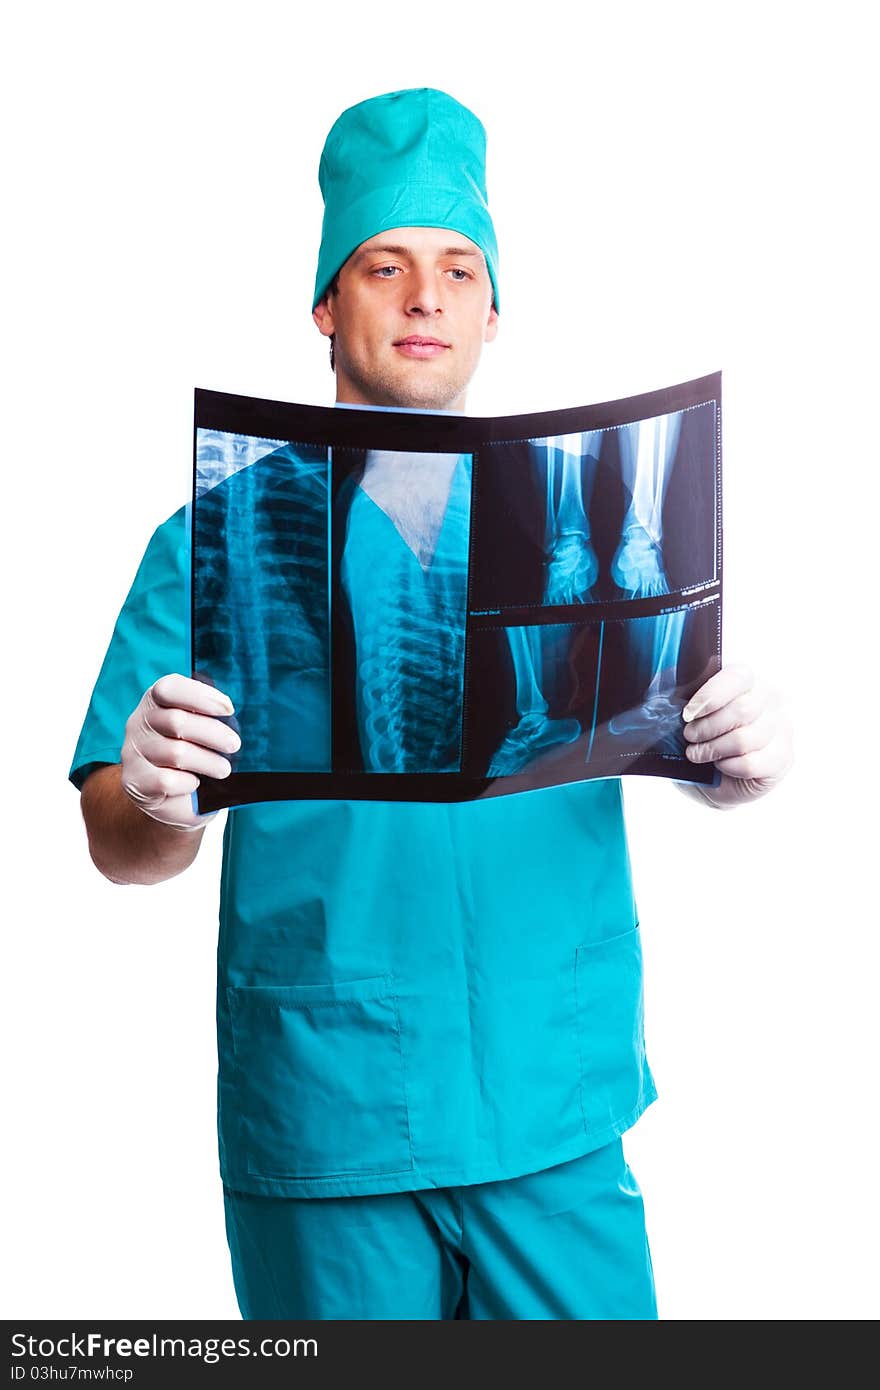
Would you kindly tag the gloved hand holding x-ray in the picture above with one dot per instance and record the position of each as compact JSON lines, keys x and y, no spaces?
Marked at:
{"x":406,"y":605}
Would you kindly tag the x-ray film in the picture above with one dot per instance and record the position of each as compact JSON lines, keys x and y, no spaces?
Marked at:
{"x":422,"y":606}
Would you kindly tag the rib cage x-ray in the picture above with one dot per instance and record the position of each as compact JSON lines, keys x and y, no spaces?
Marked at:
{"x":263,"y":604}
{"x":421,"y":606}
{"x":409,"y":612}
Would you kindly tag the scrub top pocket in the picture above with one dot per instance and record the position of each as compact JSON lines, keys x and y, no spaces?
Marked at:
{"x":320,"y":1078}
{"x":615,"y":1077}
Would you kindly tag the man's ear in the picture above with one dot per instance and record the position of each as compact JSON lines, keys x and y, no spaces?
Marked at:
{"x":491,"y":325}
{"x":323,"y":316}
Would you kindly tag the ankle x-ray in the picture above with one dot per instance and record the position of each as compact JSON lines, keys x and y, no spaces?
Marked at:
{"x":422,"y":606}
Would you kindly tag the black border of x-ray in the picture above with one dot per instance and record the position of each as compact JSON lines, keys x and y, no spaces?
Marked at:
{"x":449,"y":432}
{"x":335,"y":427}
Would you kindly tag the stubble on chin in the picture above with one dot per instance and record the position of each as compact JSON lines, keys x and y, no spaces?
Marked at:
{"x":404,"y":390}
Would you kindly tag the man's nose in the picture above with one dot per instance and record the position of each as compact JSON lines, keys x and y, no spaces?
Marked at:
{"x":423,"y":291}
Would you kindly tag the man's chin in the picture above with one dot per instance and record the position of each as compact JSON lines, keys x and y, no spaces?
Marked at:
{"x":406,"y":392}
{"x":444,"y":400}
{"x":434,"y":395}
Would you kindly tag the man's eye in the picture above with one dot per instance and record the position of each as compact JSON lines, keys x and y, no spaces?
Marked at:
{"x":380,"y":270}
{"x":457,"y":270}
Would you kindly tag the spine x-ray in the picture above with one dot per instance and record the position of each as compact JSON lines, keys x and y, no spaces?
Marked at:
{"x":422,"y":606}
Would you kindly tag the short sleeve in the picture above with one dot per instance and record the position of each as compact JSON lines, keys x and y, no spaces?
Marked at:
{"x":149,"y":641}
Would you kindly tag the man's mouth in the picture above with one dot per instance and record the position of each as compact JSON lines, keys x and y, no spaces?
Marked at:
{"x":415,"y":345}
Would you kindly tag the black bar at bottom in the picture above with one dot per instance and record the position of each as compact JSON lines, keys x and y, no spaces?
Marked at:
{"x":142,"y":1354}
{"x":240,"y":788}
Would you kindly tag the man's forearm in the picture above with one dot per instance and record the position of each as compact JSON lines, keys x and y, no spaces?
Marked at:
{"x":126,"y":844}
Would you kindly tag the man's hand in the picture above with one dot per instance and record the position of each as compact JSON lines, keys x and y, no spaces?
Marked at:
{"x":737,"y":723}
{"x":172,"y":737}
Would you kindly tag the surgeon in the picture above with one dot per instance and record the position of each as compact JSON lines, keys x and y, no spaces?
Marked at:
{"x":429,"y":1017}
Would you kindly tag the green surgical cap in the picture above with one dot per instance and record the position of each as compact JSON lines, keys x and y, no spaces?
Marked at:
{"x":415,"y":158}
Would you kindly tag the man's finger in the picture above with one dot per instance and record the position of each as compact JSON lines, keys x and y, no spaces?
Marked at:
{"x":182,"y":692}
{"x":156,"y":754}
{"x":159,"y":785}
{"x":208,"y":732}
{"x":741,"y":710}
{"x":747,"y":738}
{"x":724,"y":686}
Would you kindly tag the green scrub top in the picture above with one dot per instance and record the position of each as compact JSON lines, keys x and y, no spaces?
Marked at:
{"x":408,"y":994}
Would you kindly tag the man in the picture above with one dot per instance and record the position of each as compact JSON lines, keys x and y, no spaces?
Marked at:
{"x":429,"y":1016}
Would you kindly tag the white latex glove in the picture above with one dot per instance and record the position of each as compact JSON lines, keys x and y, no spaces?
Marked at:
{"x":173,"y":737}
{"x":738,"y":723}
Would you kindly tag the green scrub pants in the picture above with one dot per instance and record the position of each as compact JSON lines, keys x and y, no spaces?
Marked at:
{"x":566,"y":1242}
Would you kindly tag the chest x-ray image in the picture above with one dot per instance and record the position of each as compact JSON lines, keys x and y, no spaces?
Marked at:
{"x":407,"y":605}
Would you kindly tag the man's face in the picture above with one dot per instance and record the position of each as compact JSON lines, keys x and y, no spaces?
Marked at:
{"x":409,"y":283}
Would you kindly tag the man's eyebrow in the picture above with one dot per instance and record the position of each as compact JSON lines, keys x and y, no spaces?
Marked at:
{"x":388,"y":250}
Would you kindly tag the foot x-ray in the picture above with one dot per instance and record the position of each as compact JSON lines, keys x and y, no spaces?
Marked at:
{"x":422,"y":606}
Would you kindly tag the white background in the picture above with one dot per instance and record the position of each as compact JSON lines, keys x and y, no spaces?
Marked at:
{"x":677,"y":189}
